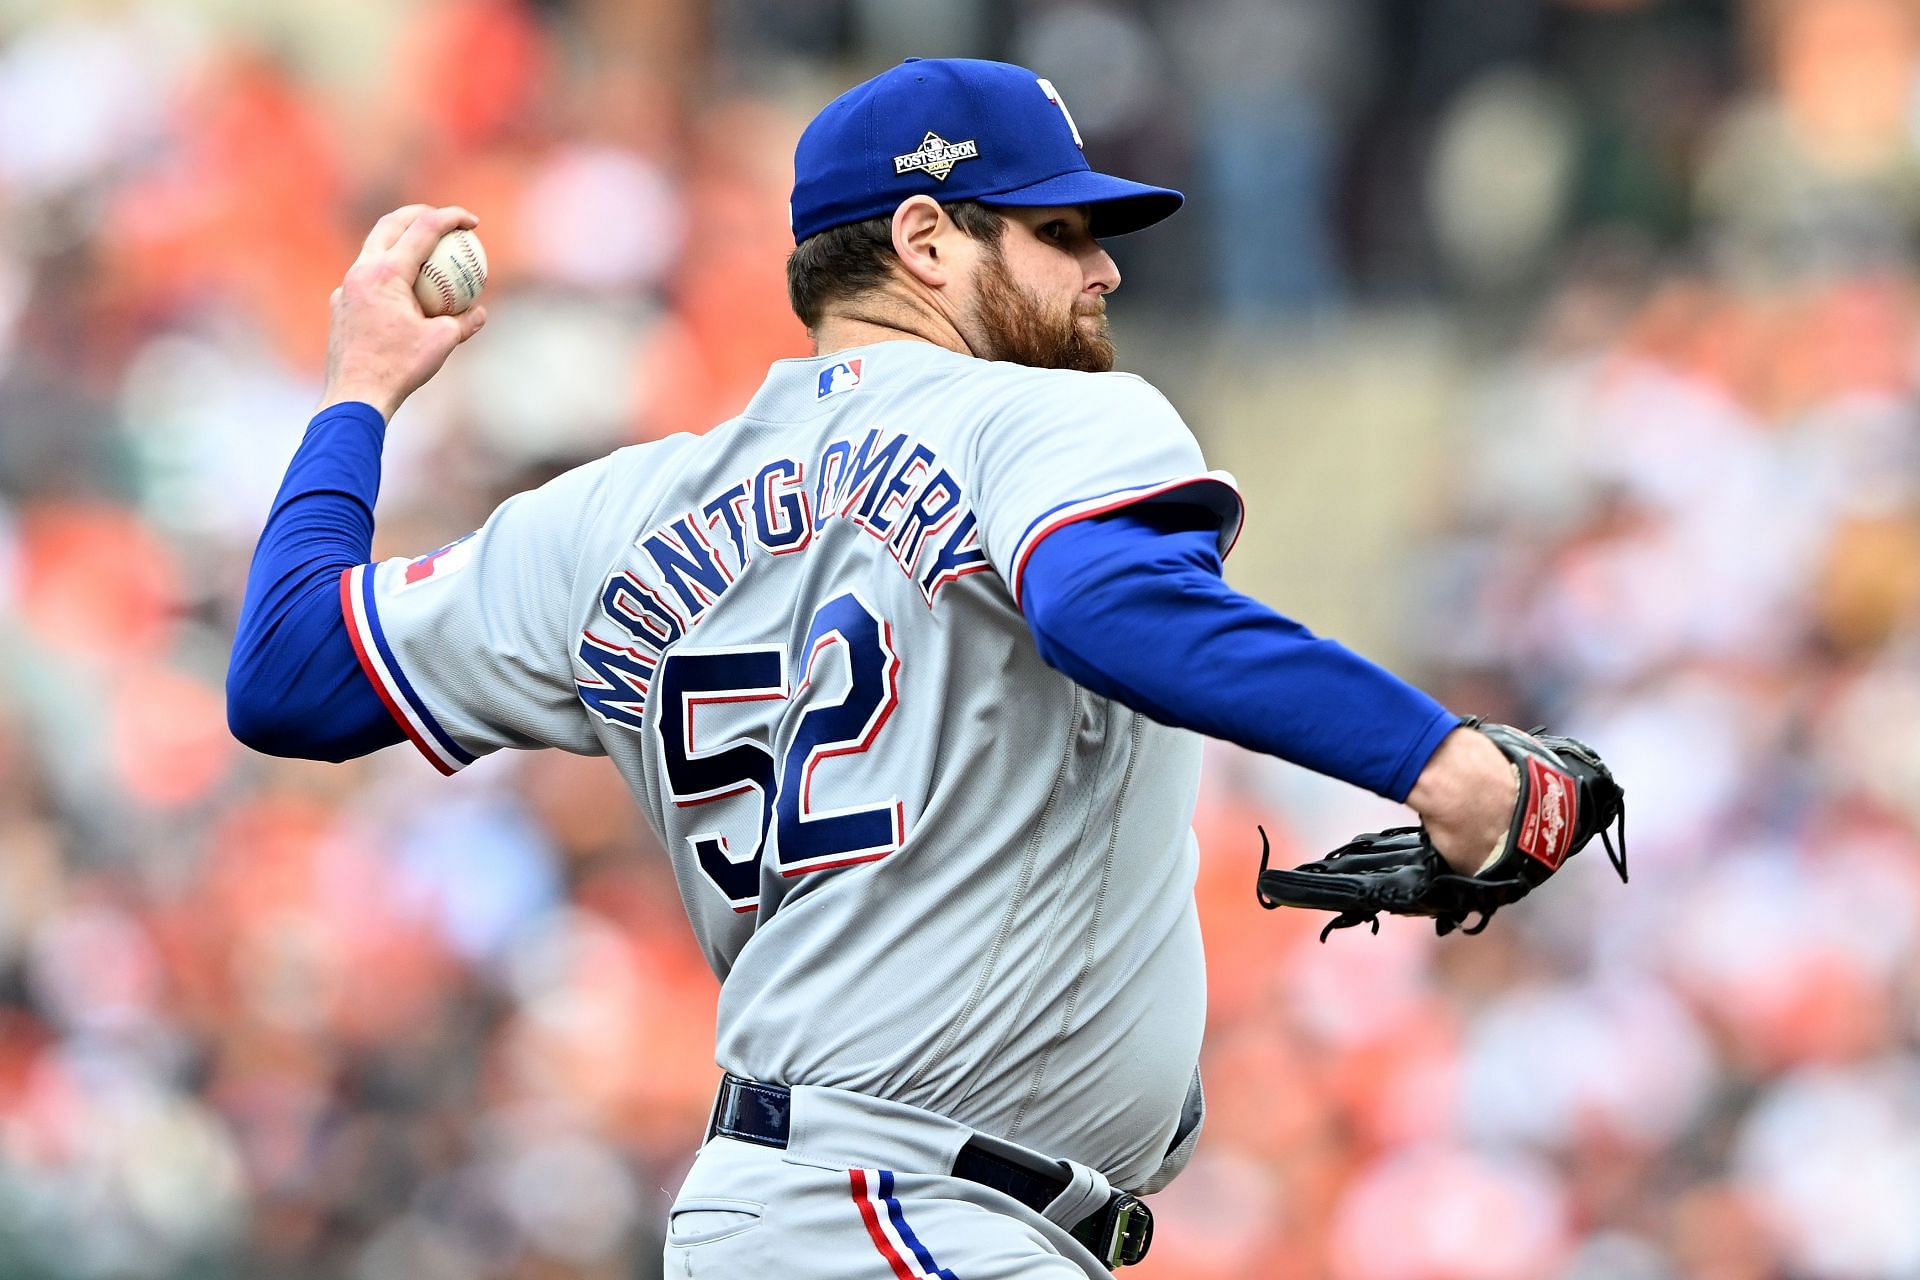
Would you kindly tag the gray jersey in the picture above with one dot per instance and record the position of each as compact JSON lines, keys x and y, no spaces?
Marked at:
{"x":926,"y":866}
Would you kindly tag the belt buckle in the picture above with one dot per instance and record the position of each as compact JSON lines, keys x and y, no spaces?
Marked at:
{"x":1126,"y":1229}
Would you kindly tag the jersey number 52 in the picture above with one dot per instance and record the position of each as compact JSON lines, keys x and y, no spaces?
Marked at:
{"x":806,"y":838}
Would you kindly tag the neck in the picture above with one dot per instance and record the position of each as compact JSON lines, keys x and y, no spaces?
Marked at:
{"x":859,"y":326}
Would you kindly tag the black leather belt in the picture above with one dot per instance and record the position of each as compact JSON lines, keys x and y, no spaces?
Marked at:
{"x":1118,"y":1235}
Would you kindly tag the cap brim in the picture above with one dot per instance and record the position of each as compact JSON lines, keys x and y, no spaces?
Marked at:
{"x":1115,"y":205}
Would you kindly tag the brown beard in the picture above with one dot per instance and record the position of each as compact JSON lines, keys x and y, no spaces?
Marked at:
{"x":1014,"y":325}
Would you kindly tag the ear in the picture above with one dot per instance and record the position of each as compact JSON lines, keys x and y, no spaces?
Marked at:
{"x":922,"y":234}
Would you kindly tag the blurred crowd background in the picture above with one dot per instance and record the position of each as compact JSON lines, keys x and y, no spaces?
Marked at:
{"x":1566,"y":352}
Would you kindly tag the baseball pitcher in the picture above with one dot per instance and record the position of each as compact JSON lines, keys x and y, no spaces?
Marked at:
{"x":907,"y":664}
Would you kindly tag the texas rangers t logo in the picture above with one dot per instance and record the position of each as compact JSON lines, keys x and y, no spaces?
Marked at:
{"x":1053,"y":96}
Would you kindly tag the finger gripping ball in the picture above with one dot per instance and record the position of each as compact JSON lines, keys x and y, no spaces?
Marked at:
{"x":453,"y":275}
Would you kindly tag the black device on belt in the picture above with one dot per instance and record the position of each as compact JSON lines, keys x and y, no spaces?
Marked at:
{"x":1118,"y":1235}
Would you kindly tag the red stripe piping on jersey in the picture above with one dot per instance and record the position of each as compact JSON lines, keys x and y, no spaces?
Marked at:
{"x":1070,"y":516}
{"x":900,"y":1268}
{"x":373,"y":676}
{"x":899,"y":827}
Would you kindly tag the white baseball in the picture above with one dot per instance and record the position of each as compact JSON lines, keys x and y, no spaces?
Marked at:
{"x":453,"y":275}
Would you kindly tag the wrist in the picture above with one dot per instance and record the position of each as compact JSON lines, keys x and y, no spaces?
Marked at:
{"x":357,"y":412}
{"x":1445,"y":776}
{"x":333,"y":396}
{"x":1465,"y":798}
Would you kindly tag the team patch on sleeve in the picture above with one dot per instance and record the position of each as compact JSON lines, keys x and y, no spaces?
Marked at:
{"x":376,"y":657}
{"x":448,"y":559}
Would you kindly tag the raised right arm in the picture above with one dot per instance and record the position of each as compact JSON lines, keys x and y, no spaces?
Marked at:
{"x":294,"y":684}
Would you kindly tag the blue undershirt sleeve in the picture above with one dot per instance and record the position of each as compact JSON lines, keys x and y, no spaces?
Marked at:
{"x":1220,"y":663}
{"x":294,"y":686}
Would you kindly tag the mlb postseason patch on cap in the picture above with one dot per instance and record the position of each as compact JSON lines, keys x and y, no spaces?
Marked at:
{"x":956,"y":129}
{"x":936,"y":156}
{"x":836,"y":378}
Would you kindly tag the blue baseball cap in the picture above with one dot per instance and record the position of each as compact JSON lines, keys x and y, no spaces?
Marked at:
{"x":956,"y":129}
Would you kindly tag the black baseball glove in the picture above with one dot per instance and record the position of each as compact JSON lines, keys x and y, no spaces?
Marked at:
{"x":1566,"y":797}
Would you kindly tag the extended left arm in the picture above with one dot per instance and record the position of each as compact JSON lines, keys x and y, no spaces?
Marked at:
{"x":1132,"y":605}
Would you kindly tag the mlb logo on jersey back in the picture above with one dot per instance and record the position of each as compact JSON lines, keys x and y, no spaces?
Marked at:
{"x":836,"y":378}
